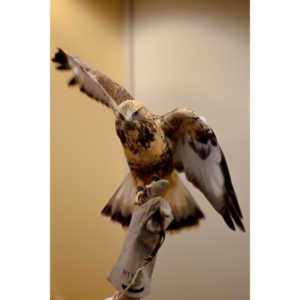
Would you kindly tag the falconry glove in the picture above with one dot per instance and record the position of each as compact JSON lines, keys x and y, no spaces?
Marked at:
{"x":132,"y":273}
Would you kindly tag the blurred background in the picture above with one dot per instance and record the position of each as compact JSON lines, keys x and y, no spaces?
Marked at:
{"x":168,"y":54}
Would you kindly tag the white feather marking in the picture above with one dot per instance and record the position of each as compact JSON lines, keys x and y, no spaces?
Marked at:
{"x":76,"y":70}
{"x":206,"y":172}
{"x":203,"y":120}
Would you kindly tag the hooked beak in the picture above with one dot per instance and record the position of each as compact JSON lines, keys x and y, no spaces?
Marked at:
{"x":129,"y":124}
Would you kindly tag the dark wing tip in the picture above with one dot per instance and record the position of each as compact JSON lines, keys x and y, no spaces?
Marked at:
{"x":242,"y":227}
{"x":61,"y":59}
{"x":233,"y":209}
{"x":229,"y":187}
{"x":237,"y":220}
{"x":230,"y":214}
{"x":228,"y":220}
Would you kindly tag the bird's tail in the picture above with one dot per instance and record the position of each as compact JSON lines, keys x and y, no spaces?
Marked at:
{"x":121,"y":205}
{"x":184,"y":208}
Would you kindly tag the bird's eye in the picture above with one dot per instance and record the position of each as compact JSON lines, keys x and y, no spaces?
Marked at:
{"x":135,"y":113}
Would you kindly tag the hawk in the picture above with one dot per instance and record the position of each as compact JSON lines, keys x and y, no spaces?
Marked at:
{"x":160,"y":147}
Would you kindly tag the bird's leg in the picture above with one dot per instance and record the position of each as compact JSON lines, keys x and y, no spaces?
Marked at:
{"x":143,"y":193}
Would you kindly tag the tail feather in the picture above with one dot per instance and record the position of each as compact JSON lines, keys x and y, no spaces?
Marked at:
{"x":184,"y":208}
{"x":121,"y":205}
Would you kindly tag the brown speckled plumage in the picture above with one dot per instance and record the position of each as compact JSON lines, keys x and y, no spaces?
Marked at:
{"x":145,"y":135}
{"x":160,"y":146}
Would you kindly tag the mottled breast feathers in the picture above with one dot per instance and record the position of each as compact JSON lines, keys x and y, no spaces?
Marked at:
{"x":136,"y":138}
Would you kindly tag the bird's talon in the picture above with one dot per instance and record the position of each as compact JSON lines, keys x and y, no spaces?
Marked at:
{"x":139,"y":197}
{"x":155,"y":178}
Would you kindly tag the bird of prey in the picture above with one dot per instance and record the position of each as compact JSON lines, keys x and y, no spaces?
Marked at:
{"x":160,"y":147}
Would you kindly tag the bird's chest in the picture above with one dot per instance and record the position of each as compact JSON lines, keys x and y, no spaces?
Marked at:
{"x":150,"y":163}
{"x":146,"y":150}
{"x":141,"y":152}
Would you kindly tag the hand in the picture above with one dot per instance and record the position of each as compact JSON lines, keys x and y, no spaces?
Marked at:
{"x":132,"y":272}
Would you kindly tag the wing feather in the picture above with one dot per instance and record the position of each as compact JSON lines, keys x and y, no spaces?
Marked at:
{"x":93,"y":83}
{"x":197,"y":152}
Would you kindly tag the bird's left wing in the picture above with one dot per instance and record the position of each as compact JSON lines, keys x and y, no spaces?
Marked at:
{"x":197,"y":153}
{"x":93,"y":83}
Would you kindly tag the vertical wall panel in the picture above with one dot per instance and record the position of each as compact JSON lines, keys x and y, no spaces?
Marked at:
{"x":196,"y":54}
{"x":87,"y":162}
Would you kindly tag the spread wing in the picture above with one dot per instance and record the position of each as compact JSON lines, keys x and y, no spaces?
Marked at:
{"x":93,"y":83}
{"x":197,"y":153}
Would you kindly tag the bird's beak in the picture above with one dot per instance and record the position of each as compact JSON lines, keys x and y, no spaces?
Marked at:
{"x":130,"y":125}
{"x":123,"y":117}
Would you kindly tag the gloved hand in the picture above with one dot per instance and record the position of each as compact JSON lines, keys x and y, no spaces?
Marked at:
{"x":132,"y":272}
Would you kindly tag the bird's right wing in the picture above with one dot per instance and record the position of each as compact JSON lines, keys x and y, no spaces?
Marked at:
{"x":93,"y":83}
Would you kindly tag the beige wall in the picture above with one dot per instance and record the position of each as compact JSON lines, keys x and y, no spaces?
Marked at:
{"x":87,"y":160}
{"x":196,"y":54}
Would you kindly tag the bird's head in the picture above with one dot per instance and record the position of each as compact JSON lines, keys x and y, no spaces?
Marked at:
{"x":134,"y":124}
{"x":133,"y":111}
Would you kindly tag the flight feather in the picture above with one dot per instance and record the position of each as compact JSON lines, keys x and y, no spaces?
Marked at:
{"x":197,"y":153}
{"x":93,"y":83}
